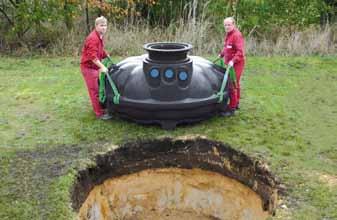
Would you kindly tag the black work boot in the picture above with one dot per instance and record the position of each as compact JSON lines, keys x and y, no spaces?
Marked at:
{"x":104,"y":117}
{"x":228,"y":113}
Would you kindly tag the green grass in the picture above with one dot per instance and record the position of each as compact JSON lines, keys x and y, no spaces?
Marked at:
{"x":48,"y":131}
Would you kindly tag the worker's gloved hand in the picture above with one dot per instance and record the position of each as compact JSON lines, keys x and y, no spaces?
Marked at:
{"x":113,"y":68}
{"x":103,"y":69}
{"x":231,"y":63}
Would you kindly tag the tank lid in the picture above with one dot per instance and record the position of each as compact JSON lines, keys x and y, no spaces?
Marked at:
{"x":167,"y":51}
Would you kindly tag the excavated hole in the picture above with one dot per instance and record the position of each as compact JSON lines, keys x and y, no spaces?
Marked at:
{"x":175,"y":179}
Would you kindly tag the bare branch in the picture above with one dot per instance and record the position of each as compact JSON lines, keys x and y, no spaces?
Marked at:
{"x":13,"y":3}
{"x":7,"y":17}
{"x":24,"y":31}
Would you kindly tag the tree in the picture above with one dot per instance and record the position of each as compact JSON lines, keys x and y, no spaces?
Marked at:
{"x":23,"y":16}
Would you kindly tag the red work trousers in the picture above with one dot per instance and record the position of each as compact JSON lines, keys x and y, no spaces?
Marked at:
{"x":91,"y":79}
{"x":234,"y":90}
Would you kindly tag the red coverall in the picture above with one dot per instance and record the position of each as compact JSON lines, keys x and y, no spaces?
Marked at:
{"x":234,"y":50}
{"x":93,"y":49}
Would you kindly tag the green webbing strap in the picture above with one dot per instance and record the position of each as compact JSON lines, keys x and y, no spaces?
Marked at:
{"x":232,"y":76}
{"x":115,"y":90}
{"x":106,"y":62}
{"x":222,"y":64}
{"x":101,"y":88}
{"x":221,"y":93}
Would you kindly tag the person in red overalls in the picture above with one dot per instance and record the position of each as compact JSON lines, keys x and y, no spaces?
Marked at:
{"x":92,"y":54}
{"x":234,"y":56}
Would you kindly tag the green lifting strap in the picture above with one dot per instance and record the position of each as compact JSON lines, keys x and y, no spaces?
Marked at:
{"x":115,"y":90}
{"x":232,"y":77}
{"x":102,"y":97}
{"x":220,"y":94}
{"x":101,"y":88}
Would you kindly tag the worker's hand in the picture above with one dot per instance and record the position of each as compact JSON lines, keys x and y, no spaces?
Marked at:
{"x":231,"y":63}
{"x":103,"y":69}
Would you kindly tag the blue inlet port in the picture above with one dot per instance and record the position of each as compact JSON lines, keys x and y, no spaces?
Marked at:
{"x":154,"y":73}
{"x":169,"y":73}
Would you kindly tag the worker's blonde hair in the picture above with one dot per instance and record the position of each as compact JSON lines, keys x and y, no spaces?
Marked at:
{"x":101,"y":20}
{"x":230,"y":19}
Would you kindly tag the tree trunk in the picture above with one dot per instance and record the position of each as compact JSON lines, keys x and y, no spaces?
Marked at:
{"x":87,"y":17}
{"x":67,"y":17}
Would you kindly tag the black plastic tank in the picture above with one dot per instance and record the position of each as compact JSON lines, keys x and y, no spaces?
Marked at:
{"x":166,"y":86}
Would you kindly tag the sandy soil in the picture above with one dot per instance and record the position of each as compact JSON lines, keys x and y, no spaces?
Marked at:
{"x":172,"y":194}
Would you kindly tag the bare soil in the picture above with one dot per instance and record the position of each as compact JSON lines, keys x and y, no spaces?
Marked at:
{"x":172,"y":194}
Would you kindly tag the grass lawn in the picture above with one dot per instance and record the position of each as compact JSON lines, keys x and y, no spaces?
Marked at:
{"x":48,"y":131}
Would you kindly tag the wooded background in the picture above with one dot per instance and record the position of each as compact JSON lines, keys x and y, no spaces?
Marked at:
{"x":40,"y":25}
